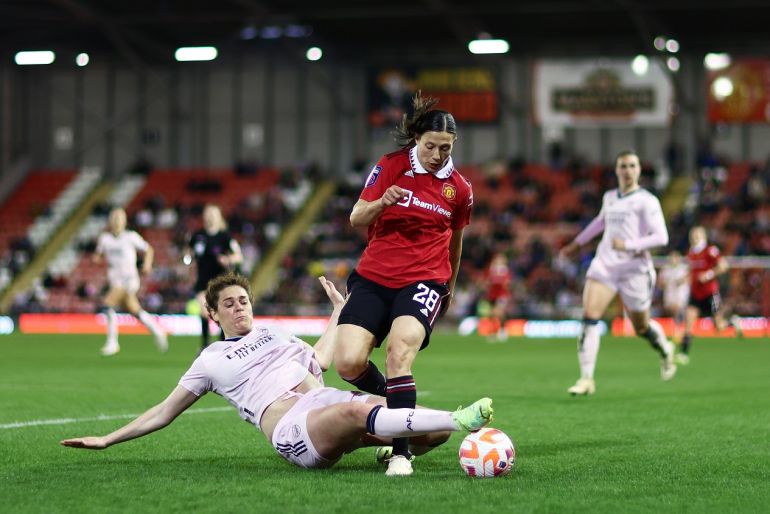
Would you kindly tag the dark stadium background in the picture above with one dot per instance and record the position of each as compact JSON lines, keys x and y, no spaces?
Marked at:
{"x":262,"y":131}
{"x":284,"y":145}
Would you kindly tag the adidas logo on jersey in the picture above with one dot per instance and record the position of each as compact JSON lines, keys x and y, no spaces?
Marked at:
{"x":424,"y":312}
{"x":409,"y":173}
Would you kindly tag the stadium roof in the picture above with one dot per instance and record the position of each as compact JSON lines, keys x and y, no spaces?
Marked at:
{"x":148,"y":31}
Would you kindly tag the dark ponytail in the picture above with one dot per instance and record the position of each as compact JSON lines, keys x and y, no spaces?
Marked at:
{"x":423,"y":120}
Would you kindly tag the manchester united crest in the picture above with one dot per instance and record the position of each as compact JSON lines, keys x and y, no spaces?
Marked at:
{"x":449,"y":191}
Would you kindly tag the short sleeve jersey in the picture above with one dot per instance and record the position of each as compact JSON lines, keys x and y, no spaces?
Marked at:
{"x":628,"y":217}
{"x":253,"y":371}
{"x":207,"y":248}
{"x":120,"y":251}
{"x":409,"y":241}
{"x":701,"y":260}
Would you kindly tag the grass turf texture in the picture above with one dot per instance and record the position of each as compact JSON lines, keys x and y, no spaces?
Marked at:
{"x":697,"y":444}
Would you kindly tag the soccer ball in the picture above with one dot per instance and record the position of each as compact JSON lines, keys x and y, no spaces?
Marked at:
{"x":487,"y":453}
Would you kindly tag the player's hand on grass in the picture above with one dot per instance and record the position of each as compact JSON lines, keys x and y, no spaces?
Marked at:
{"x":89,"y":443}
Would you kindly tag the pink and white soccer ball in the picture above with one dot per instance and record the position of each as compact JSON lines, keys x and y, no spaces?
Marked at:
{"x":487,"y":453}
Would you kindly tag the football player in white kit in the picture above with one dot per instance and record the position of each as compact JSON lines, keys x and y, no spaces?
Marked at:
{"x":675,"y":282}
{"x":118,"y":247}
{"x":275,"y":382}
{"x":632,"y":221}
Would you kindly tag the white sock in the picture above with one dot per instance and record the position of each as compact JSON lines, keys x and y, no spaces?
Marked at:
{"x":588,"y":349}
{"x":112,"y":327}
{"x":409,"y":422}
{"x":660,"y":337}
{"x":149,"y":322}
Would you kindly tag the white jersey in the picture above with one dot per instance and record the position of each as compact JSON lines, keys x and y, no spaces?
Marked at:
{"x":252,"y":372}
{"x":676,"y":284}
{"x":120,"y":253}
{"x":636,"y":218}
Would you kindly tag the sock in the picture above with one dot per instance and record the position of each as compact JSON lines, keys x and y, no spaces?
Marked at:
{"x":401,"y":394}
{"x":204,"y":332}
{"x":148,"y":321}
{"x":657,"y":338}
{"x":371,"y":381}
{"x":112,"y":326}
{"x":402,"y":423}
{"x":588,"y":347}
{"x":686,"y":340}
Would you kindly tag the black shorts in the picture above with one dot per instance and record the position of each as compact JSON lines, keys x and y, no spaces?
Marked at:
{"x":707,"y":306}
{"x":202,"y":282}
{"x":374,"y":307}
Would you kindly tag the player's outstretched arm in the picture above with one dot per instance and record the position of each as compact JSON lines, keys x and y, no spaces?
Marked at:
{"x":153,"y":419}
{"x":324,"y":347}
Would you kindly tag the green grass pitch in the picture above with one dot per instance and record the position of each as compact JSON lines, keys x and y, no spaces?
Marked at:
{"x":700,"y":443}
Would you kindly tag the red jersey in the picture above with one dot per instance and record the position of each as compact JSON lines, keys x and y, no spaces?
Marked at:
{"x":409,"y":241}
{"x":701,"y":261}
{"x":499,"y":279}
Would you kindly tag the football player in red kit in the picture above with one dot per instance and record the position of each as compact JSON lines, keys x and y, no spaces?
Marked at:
{"x":498,"y":280}
{"x":706,"y":264}
{"x":416,"y":206}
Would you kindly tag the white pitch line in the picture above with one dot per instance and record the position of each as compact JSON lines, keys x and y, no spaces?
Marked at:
{"x":101,"y":417}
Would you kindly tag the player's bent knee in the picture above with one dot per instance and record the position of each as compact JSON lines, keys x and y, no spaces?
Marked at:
{"x":350,"y":366}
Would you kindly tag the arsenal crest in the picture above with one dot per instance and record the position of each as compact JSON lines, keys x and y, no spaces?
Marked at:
{"x":449,"y":191}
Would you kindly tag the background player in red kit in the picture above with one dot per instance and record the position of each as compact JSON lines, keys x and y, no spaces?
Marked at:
{"x":706,"y":264}
{"x":498,"y":280}
{"x":416,"y":206}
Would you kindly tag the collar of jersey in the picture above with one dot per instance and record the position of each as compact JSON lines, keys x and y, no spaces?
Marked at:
{"x":699,"y":248}
{"x":444,"y":172}
{"x":621,"y":195}
{"x":233,"y":339}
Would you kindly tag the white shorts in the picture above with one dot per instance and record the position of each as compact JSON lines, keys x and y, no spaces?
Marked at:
{"x":129,"y":282}
{"x":675,"y":300}
{"x":290,"y":437}
{"x":635,"y":289}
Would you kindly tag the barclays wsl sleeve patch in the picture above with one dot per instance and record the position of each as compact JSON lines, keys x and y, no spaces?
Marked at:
{"x":375,"y":173}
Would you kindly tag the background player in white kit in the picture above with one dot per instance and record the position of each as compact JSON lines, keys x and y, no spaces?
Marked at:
{"x":675,"y":282}
{"x":275,"y":382}
{"x":118,"y":247}
{"x":632,"y":221}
